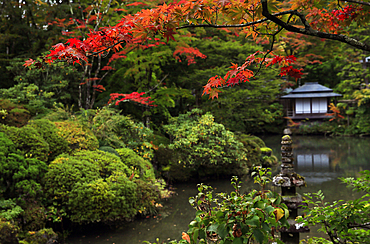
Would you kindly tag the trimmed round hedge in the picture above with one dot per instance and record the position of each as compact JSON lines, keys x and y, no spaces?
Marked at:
{"x":77,"y":136}
{"x":94,"y":186}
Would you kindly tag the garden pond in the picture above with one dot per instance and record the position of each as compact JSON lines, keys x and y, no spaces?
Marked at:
{"x":321,"y":160}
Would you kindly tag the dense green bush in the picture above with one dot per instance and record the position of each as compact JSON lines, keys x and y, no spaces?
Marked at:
{"x":253,"y":145}
{"x":8,"y":232}
{"x":142,"y":168}
{"x":78,"y":137}
{"x":93,"y":186}
{"x":20,"y":177}
{"x":28,"y":141}
{"x":342,"y":221}
{"x":6,"y":145}
{"x":9,"y":210}
{"x":118,"y":131}
{"x":13,"y":114}
{"x":203,"y":146}
{"x":48,"y":130}
{"x":202,"y":141}
{"x":250,"y":217}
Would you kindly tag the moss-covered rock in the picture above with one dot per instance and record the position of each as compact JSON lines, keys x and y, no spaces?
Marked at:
{"x":43,"y":236}
{"x":258,"y":153}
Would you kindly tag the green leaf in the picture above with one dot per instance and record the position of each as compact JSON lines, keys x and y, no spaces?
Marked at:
{"x":258,"y":235}
{"x":265,"y":227}
{"x":222,"y":231}
{"x":195,"y":235}
{"x":269,"y":209}
{"x":202,"y":234}
{"x":238,"y":240}
{"x":254,"y":221}
{"x":213,"y":227}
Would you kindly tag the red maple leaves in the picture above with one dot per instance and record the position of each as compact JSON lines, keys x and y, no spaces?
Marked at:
{"x":190,"y":54}
{"x":238,"y":74}
{"x":135,"y":97}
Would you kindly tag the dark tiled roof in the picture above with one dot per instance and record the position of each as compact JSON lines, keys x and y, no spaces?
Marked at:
{"x":308,"y":95}
{"x":311,"y":89}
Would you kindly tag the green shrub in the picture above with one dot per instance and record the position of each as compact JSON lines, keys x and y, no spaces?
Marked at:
{"x":62,"y":175}
{"x":16,"y":115}
{"x":8,"y":232}
{"x":28,"y":141}
{"x":33,"y":217}
{"x":9,"y":210}
{"x":20,"y":176}
{"x":6,"y":145}
{"x":48,"y":130}
{"x":343,"y":221}
{"x":250,"y":217}
{"x":78,"y":137}
{"x":142,"y":168}
{"x":200,"y":148}
{"x":198,"y":141}
{"x":103,"y":200}
{"x":117,"y":131}
{"x":147,"y":195}
{"x":109,"y":150}
{"x":93,"y":186}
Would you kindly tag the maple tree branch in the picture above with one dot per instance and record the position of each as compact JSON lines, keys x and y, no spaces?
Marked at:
{"x":364,"y":225}
{"x":105,"y":49}
{"x":308,"y":30}
{"x":234,"y":26}
{"x":74,"y":18}
{"x":356,"y":1}
{"x":159,"y":83}
{"x":271,"y":46}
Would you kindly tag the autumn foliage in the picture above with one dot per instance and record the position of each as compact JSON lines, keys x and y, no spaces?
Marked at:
{"x":258,"y":19}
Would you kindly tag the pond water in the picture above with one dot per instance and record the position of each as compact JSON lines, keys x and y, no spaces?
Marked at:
{"x":321,"y":160}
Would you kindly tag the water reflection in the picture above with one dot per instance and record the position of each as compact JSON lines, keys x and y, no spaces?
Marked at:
{"x":320,"y":160}
{"x":315,"y":167}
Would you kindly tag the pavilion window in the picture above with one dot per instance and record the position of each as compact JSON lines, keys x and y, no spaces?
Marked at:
{"x":319,"y":105}
{"x":303,"y":106}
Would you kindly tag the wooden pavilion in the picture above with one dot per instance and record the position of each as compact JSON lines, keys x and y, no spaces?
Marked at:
{"x":309,"y":101}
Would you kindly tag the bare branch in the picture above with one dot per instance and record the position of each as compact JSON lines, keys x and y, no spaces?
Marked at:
{"x":235,"y":26}
{"x":355,"y":1}
{"x":309,"y":31}
{"x":364,"y":225}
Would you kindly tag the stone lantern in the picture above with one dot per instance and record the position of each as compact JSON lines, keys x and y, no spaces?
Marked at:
{"x":288,"y":180}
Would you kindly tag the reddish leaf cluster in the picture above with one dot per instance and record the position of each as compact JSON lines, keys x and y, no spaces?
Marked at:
{"x":238,"y":74}
{"x":335,"y":112}
{"x":135,"y":97}
{"x":72,"y":53}
{"x":348,"y":12}
{"x":333,"y":21}
{"x":99,"y":88}
{"x":190,"y":54}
